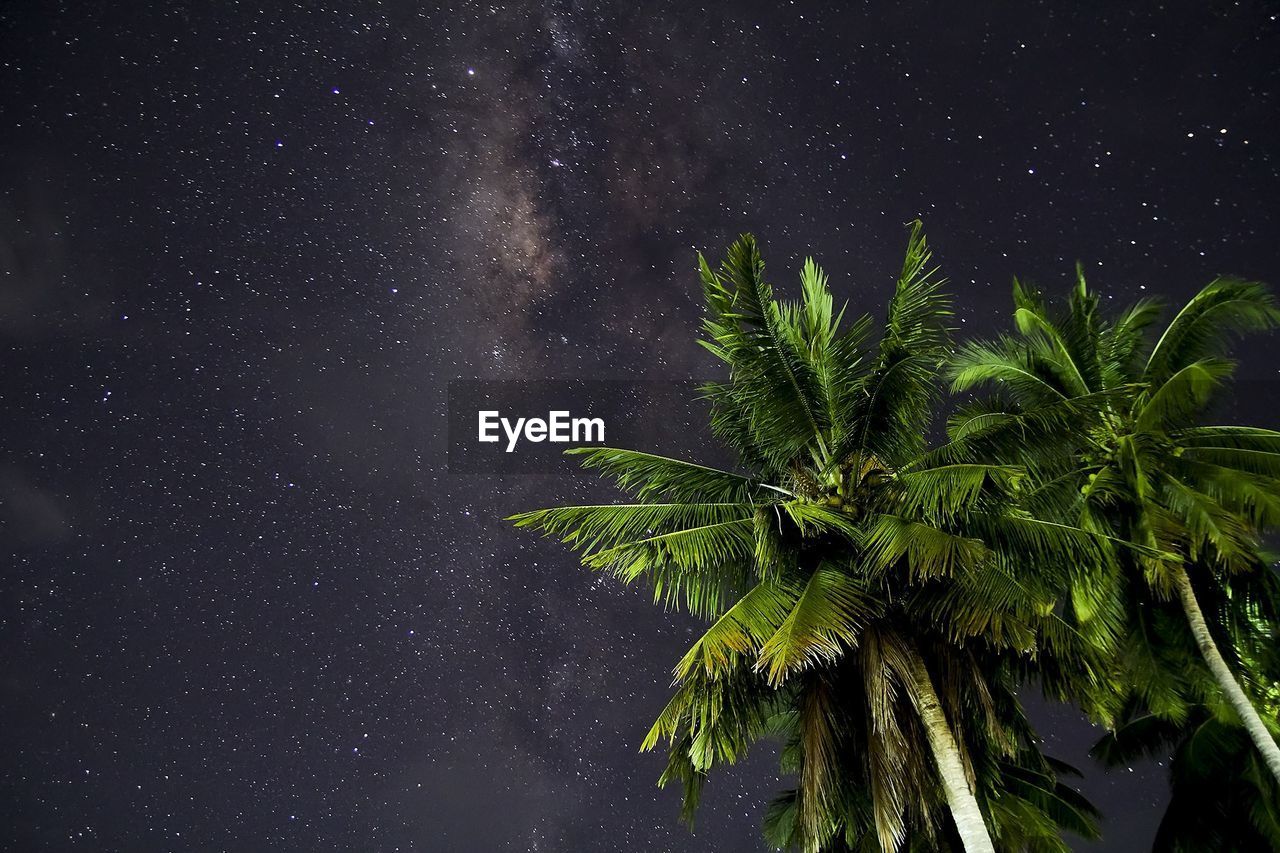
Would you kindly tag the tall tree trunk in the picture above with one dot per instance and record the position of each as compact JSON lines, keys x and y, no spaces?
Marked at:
{"x":946,"y":754}
{"x":1222,"y":674}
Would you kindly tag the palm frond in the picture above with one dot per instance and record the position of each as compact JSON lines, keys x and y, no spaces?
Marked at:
{"x":812,"y":519}
{"x":834,"y":357}
{"x":1223,"y":308}
{"x":823,"y":622}
{"x":1210,"y":525}
{"x":943,"y":491}
{"x":891,"y":413}
{"x":648,"y":476}
{"x":1180,"y":398}
{"x":1072,"y":342}
{"x":819,"y":782}
{"x":1240,"y":437}
{"x":1124,"y":341}
{"x":773,"y":391}
{"x":593,"y":529}
{"x":918,"y":311}
{"x":1263,"y":462}
{"x":923,"y":550}
{"x":1012,"y":367}
{"x":741,"y":631}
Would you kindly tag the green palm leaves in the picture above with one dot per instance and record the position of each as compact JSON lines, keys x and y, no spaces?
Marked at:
{"x":875,"y":602}
{"x":1153,"y":475}
{"x":1223,"y":797}
{"x":853,"y":578}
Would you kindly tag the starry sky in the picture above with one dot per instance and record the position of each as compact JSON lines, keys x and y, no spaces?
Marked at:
{"x":244,"y":602}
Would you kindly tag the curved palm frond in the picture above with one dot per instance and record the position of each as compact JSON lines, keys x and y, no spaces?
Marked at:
{"x":649,"y":475}
{"x":824,"y":620}
{"x":1223,"y":308}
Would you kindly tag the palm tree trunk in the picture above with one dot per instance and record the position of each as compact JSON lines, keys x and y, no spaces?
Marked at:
{"x":946,"y":754}
{"x":1222,"y":674}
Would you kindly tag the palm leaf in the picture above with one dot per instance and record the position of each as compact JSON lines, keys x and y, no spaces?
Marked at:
{"x":823,"y":621}
{"x":649,"y":476}
{"x":741,"y":630}
{"x":1224,"y":307}
{"x":1182,"y":396}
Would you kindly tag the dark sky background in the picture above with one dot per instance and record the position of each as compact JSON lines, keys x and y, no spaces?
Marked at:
{"x":243,"y":603}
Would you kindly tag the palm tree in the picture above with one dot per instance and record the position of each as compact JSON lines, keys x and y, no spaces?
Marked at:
{"x":871,"y":599}
{"x":1021,"y":796}
{"x":1223,"y":797}
{"x":1147,"y":468}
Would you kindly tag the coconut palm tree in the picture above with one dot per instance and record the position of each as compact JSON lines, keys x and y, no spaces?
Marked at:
{"x":1022,"y":796}
{"x":1222,"y":795}
{"x":871,"y":599}
{"x":1149,"y":470}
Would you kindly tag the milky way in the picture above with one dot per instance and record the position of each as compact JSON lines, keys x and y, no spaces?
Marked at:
{"x":245,"y":605}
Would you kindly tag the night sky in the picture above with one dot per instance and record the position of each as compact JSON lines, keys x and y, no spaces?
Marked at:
{"x":244,"y":603}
